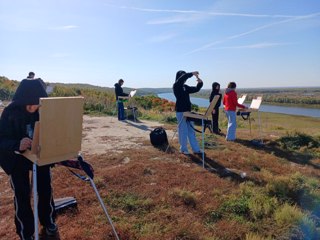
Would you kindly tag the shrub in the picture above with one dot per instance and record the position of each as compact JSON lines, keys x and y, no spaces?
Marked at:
{"x":296,"y":141}
{"x":187,"y":197}
{"x":288,"y":215}
{"x":254,"y":236}
{"x":295,"y":188}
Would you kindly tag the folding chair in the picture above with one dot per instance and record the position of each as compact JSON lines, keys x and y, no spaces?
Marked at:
{"x":57,"y":136}
{"x":203,"y":117}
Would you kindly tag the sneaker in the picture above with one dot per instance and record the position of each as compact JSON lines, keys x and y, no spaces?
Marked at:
{"x":184,"y":152}
{"x":52,"y":229}
{"x":29,"y":238}
{"x":200,"y":152}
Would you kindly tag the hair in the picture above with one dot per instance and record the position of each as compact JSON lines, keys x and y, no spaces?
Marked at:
{"x":31,"y":74}
{"x":179,"y":74}
{"x":232,"y":85}
{"x":120,"y":81}
{"x":214,"y":86}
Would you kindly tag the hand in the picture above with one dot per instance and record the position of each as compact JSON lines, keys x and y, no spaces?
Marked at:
{"x":25,"y":144}
{"x":213,"y":111}
{"x":195,"y":73}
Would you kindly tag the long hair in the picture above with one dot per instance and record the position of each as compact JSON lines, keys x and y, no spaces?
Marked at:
{"x":214,"y":87}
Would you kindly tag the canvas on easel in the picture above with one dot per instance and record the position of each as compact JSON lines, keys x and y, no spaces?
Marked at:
{"x":57,"y":136}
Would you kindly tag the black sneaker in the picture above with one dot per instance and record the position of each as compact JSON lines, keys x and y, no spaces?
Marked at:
{"x":52,"y":229}
{"x":29,"y":238}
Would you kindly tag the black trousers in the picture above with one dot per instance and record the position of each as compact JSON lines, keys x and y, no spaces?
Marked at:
{"x":215,"y":122}
{"x":20,"y":183}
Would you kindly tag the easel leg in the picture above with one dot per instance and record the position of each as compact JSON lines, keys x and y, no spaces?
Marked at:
{"x":203,"y":143}
{"x":35,"y":201}
{"x":104,"y":208}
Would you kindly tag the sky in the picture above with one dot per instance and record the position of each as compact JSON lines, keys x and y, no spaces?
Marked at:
{"x":255,"y":43}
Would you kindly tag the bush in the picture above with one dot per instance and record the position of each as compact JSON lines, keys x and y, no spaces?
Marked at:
{"x":298,"y":140}
{"x":288,"y":215}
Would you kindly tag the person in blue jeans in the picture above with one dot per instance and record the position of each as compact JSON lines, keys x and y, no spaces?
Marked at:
{"x":183,"y":104}
{"x":119,"y":92}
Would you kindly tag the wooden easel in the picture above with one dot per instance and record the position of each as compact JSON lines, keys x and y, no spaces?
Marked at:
{"x":203,"y":117}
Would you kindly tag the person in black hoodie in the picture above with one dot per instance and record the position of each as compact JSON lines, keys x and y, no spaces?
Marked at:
{"x":119,"y":92}
{"x":183,"y":104}
{"x":215,"y":113}
{"x":16,"y":130}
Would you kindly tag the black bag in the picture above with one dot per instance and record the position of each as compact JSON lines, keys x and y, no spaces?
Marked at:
{"x":158,"y":137}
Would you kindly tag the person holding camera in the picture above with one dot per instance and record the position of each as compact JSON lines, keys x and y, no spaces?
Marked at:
{"x":183,"y":104}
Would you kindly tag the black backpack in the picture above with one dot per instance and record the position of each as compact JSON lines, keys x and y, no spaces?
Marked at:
{"x":158,"y":137}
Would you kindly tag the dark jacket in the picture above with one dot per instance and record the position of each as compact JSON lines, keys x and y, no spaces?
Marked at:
{"x":182,"y":91}
{"x":119,"y":91}
{"x":215,"y":92}
{"x":13,"y":127}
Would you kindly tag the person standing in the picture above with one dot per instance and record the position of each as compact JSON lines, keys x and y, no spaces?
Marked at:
{"x":16,"y":131}
{"x":119,"y":92}
{"x":230,"y":102}
{"x":215,"y":113}
{"x":31,"y":76}
{"x":183,"y":104}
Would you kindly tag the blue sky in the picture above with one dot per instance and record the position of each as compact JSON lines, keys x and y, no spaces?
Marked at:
{"x":256,"y":43}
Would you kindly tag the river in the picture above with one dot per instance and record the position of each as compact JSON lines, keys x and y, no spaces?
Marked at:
{"x":309,"y":112}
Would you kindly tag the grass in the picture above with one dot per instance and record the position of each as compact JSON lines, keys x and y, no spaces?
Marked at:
{"x":173,"y":197}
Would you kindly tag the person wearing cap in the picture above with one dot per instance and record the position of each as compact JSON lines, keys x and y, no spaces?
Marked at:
{"x":16,"y":130}
{"x":119,"y":92}
{"x":183,"y":104}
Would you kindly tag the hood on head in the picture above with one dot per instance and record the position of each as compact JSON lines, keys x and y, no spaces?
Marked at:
{"x":29,"y":92}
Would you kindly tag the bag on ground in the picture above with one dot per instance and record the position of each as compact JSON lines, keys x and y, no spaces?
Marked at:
{"x":158,"y":137}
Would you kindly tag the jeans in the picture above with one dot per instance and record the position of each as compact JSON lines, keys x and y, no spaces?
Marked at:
{"x":232,"y":125}
{"x":186,"y":132}
{"x":120,"y":110}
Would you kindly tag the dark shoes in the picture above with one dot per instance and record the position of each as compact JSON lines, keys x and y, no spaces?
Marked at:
{"x":30,"y":238}
{"x":52,"y":229}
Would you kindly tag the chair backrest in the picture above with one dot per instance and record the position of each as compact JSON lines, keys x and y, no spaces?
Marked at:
{"x":256,"y":102}
{"x":212,"y":105}
{"x":242,"y":98}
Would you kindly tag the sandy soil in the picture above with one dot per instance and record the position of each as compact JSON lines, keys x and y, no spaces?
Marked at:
{"x":103,"y":135}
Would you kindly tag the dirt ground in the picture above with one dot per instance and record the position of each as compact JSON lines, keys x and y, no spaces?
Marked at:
{"x":103,"y":135}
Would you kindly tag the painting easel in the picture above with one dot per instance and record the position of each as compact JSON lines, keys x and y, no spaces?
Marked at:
{"x":254,"y":107}
{"x":203,"y":117}
{"x":132,"y":108}
{"x":57,"y":137}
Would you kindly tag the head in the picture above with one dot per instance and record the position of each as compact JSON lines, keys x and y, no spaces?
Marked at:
{"x":179,"y":74}
{"x":121,"y":82}
{"x":31,"y":75}
{"x":215,"y":86}
{"x":28,"y":94}
{"x":232,"y":85}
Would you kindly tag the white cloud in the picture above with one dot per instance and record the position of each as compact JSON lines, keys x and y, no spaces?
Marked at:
{"x":254,"y":46}
{"x":162,"y":38}
{"x":66,"y":27}
{"x":297,"y":18}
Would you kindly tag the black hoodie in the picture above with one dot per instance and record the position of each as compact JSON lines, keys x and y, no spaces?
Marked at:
{"x":16,"y":122}
{"x":119,"y":91}
{"x":181,"y":91}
